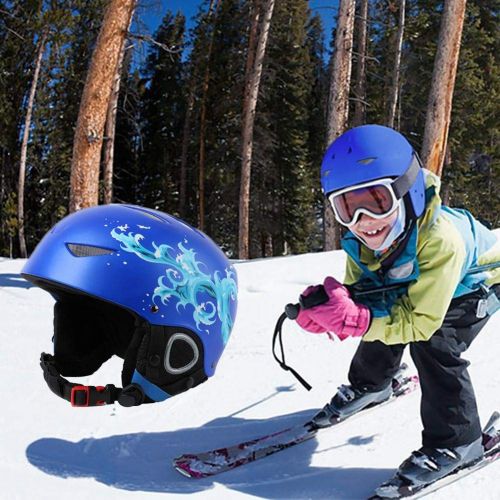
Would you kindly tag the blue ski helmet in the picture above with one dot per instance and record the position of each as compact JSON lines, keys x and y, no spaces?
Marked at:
{"x":371,"y":152}
{"x":140,"y":284}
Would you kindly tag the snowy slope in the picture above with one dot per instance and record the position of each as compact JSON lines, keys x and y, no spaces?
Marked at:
{"x":50,"y":450}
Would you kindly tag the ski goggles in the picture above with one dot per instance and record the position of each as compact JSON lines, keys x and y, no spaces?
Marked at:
{"x":376,"y":199}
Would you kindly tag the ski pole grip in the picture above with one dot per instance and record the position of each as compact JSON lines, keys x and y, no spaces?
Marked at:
{"x":315,"y":298}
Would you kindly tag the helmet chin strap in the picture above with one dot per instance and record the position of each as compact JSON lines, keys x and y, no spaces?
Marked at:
{"x":76,"y":394}
{"x":396,"y":230}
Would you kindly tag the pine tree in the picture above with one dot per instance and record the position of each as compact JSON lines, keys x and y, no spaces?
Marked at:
{"x":472,"y":179}
{"x":163,"y":111}
{"x":18,"y":36}
{"x":128,"y":171}
{"x":259,"y":32}
{"x":284,"y":207}
{"x":73,"y":31}
{"x":222,"y":101}
{"x":316,"y":117}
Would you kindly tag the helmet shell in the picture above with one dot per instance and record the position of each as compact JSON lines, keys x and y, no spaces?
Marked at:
{"x":366,"y":153}
{"x":146,"y":261}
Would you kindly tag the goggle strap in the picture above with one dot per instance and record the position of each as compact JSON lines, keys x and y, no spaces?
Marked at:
{"x":403,"y":183}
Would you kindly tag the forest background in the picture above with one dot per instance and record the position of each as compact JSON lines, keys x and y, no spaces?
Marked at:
{"x":196,"y":69}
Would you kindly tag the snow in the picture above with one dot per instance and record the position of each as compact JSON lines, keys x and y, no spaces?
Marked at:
{"x":53,"y":451}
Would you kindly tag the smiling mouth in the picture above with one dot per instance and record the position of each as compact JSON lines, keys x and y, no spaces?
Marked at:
{"x":375,"y":232}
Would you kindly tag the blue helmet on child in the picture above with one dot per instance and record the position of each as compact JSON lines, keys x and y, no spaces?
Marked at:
{"x":371,"y":152}
{"x":140,"y":284}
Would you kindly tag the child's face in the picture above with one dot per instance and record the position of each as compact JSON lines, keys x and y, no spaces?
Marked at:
{"x":374,"y":231}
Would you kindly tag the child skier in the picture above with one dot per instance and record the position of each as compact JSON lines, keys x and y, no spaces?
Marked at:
{"x":399,"y":233}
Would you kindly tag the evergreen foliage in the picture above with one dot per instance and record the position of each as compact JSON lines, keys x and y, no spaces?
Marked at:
{"x":162,"y":112}
{"x":205,"y":70}
{"x":287,"y":171}
{"x":18,"y":40}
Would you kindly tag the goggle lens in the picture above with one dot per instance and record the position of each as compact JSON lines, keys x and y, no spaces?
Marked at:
{"x":377,"y":200}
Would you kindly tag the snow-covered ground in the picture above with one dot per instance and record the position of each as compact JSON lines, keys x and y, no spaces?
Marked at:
{"x":52,"y":451}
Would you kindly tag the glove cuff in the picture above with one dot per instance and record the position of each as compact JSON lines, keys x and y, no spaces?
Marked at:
{"x":356,"y":325}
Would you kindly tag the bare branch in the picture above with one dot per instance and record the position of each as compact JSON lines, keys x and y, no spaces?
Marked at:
{"x":150,"y":39}
{"x":15,"y":33}
{"x":357,"y":99}
{"x":370,"y":58}
{"x":6,"y":12}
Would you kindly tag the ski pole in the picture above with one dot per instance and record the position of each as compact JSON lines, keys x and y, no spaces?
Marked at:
{"x":319,"y":297}
{"x":483,"y":267}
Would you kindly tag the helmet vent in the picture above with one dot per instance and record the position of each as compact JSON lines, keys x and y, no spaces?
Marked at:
{"x":149,"y":213}
{"x":367,"y":161}
{"x":88,"y":250}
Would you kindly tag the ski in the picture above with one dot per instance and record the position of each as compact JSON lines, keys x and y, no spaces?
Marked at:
{"x":210,"y":463}
{"x":491,"y":444}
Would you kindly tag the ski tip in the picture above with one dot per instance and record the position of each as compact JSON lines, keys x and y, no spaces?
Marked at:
{"x":492,"y":423}
{"x":184,"y":472}
{"x":185,"y":469}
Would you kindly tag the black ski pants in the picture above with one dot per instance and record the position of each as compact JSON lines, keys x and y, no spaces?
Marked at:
{"x":448,"y":406}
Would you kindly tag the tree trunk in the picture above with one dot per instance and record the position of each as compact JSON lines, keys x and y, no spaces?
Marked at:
{"x":338,"y":105}
{"x":203,"y":125}
{"x":186,"y":136}
{"x":94,"y":104}
{"x":360,"y":87}
{"x":445,"y":187}
{"x":247,"y":137}
{"x":24,"y":145}
{"x":110,"y":129}
{"x":255,"y":58}
{"x":437,"y":121}
{"x":109,"y":141}
{"x":396,"y":70}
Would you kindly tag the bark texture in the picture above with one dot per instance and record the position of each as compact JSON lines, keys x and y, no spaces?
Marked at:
{"x":396,"y":70}
{"x":110,"y":130}
{"x":360,"y":86}
{"x":338,"y":103}
{"x":94,"y":105}
{"x":203,"y":124}
{"x":437,"y":122}
{"x":255,"y":58}
{"x":24,"y":145}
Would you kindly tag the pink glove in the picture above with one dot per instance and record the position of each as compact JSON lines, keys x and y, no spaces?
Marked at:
{"x":340,"y":315}
{"x":304,"y":319}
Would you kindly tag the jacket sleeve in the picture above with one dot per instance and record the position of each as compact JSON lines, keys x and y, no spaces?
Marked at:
{"x":352,"y":272}
{"x":418,"y":314}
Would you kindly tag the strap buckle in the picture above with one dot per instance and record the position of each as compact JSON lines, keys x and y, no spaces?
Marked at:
{"x":77,"y":389}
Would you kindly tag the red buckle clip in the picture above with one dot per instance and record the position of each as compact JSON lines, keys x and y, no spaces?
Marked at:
{"x":80,"y":388}
{"x":86,"y":390}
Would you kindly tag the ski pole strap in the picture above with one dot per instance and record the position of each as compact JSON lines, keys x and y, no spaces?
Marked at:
{"x":78,"y":395}
{"x":277,"y":336}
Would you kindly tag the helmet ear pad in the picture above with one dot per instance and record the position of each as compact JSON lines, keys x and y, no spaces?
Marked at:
{"x":171,"y":358}
{"x":87,"y":332}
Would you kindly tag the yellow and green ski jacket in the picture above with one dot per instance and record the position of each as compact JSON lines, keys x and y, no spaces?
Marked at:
{"x":432,"y":264}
